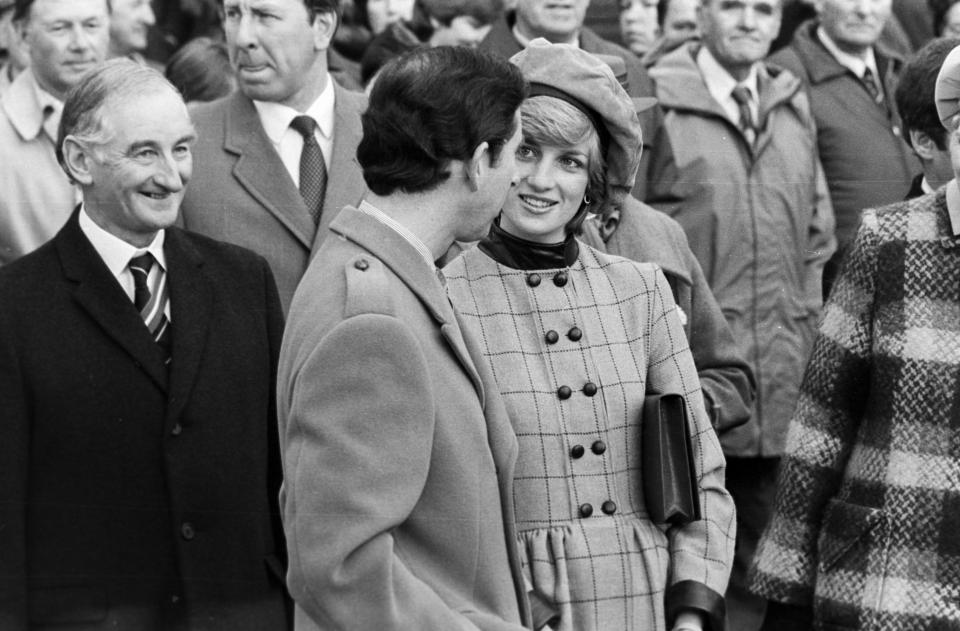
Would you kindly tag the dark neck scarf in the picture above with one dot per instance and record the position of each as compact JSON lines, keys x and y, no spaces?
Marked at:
{"x":517,"y":253}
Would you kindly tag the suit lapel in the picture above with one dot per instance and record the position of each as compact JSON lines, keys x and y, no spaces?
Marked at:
{"x":191,"y":298}
{"x":345,"y":185}
{"x":261,"y":172}
{"x":98,"y":293}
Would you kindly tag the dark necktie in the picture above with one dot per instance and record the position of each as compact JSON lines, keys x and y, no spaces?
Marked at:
{"x":870,"y":83}
{"x":313,"y":170}
{"x":151,"y":302}
{"x":741,"y":94}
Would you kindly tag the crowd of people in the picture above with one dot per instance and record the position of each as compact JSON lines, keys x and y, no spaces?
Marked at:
{"x":355,"y":314}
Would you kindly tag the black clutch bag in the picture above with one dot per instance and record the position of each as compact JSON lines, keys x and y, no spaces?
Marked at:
{"x":669,"y":477}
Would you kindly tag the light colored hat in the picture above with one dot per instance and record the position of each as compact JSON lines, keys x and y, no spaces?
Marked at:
{"x":575,"y":76}
{"x":947,"y":90}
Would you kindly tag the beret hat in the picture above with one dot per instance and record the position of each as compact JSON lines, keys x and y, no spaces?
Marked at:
{"x":947,"y":91}
{"x":590,"y":84}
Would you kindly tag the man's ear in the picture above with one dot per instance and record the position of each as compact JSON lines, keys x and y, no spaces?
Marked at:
{"x":476,"y":167}
{"x":77,"y":159}
{"x":923,"y":145}
{"x":324,"y":26}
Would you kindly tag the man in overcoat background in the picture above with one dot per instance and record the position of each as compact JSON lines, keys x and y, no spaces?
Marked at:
{"x":139,"y":466}
{"x":259,"y":183}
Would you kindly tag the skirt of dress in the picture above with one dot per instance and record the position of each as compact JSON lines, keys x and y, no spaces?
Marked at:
{"x":604,"y":573}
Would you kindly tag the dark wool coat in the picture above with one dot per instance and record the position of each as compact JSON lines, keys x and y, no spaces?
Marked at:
{"x":867,"y":522}
{"x":130,"y":497}
{"x":861,"y":145}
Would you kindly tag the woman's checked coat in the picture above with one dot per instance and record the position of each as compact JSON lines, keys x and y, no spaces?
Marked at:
{"x":573,"y":351}
{"x":867,"y":525}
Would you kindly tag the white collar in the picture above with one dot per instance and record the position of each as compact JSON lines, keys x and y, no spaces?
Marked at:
{"x":720,"y":83}
{"x":26,"y":104}
{"x":854,"y":64}
{"x":276,"y":118}
{"x":115,"y":252}
{"x":390,"y":222}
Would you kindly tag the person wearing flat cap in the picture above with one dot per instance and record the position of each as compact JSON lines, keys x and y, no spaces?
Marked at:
{"x":866,"y":530}
{"x":575,"y":339}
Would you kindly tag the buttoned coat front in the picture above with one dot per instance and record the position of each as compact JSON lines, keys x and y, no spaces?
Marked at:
{"x":133,"y":496}
{"x":242,"y":193}
{"x":398,"y":456}
{"x":574,"y":351}
{"x":867,"y":524}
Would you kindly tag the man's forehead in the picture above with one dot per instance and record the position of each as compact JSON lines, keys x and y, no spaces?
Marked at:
{"x":75,"y":9}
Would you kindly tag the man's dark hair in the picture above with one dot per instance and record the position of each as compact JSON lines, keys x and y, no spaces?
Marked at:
{"x":21,"y":9}
{"x":315,"y":7}
{"x":434,"y":105}
{"x":914,"y":94}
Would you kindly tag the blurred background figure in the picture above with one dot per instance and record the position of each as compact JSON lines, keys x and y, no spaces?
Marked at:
{"x":946,"y":17}
{"x":639,"y":28}
{"x":677,"y":20}
{"x":377,"y":15}
{"x":201,"y":70}
{"x":921,"y":124}
{"x":434,"y":23}
{"x":64,"y":39}
{"x":851,"y":77}
{"x":130,"y":23}
{"x":13,"y":58}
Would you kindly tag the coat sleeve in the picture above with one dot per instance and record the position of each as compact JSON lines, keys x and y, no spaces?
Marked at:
{"x":701,"y":552}
{"x":832,"y":400}
{"x":728,"y":384}
{"x":14,"y":452}
{"x":357,"y":452}
{"x":821,"y":243}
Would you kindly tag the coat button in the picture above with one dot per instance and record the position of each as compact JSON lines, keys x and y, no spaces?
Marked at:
{"x":560,"y":279}
{"x":586,"y":510}
{"x":564,"y":392}
{"x":187,"y":531}
{"x":577,"y":451}
{"x":552,"y":337}
{"x":574,"y":334}
{"x":598,"y":447}
{"x":589,"y":388}
{"x":609,"y":507}
{"x":176,"y":429}
{"x":533,"y":280}
{"x":362,"y":264}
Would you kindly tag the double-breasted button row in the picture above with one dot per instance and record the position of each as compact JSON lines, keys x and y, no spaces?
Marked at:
{"x":609,"y":508}
{"x":559,"y":279}
{"x":565,"y":392}
{"x":598,"y":447}
{"x":574,"y":335}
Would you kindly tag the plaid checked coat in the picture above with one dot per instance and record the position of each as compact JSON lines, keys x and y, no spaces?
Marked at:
{"x":573,"y":351}
{"x":867,"y":522}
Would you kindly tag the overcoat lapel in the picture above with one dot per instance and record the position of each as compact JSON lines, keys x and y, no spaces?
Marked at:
{"x":261,"y":172}
{"x":345,"y":186}
{"x":191,"y":303}
{"x":97,"y":292}
{"x":406,"y":263}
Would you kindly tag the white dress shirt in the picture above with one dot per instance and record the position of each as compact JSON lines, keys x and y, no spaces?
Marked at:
{"x":116,"y":254}
{"x":288,"y":142}
{"x":721,"y":83}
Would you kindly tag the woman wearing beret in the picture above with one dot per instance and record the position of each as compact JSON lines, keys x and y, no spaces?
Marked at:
{"x":576,"y":338}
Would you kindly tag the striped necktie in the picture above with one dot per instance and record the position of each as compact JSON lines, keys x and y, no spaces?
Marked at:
{"x":313,"y":169}
{"x":741,"y":94}
{"x":870,"y":83}
{"x":151,"y":302}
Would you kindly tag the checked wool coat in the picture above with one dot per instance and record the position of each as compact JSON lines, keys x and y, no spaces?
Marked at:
{"x":867,"y":525}
{"x":573,"y":351}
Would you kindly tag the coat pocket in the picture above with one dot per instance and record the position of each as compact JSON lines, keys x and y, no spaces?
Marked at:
{"x":846,"y":531}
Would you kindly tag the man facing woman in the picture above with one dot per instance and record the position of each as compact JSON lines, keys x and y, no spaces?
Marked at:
{"x":576,"y":339}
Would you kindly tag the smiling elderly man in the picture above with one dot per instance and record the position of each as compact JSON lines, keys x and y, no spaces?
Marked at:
{"x":139,"y":466}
